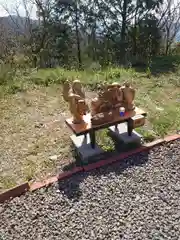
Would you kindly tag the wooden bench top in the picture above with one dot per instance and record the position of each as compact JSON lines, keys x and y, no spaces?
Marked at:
{"x":83,"y":128}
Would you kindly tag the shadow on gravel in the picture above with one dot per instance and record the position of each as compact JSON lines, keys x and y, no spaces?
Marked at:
{"x":71,"y":187}
{"x":119,"y":147}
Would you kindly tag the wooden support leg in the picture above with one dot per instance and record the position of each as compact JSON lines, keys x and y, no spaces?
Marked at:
{"x":130,"y":127}
{"x":92,"y":138}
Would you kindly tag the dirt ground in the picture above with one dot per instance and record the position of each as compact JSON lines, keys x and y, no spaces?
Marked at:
{"x":32,"y":131}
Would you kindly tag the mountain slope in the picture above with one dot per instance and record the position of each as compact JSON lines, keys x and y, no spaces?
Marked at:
{"x":17,"y":25}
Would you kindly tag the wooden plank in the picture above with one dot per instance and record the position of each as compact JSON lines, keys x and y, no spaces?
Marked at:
{"x":14,"y":192}
{"x":85,"y":127}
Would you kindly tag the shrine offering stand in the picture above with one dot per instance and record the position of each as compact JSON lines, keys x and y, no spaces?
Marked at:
{"x":84,"y":137}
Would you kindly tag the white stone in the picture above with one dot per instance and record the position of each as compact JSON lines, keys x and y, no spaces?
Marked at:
{"x":121,"y":128}
{"x":159,"y":109}
{"x":54,"y":158}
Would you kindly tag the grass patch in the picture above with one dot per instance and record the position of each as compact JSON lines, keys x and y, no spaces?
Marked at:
{"x":148,"y":135}
{"x":31,"y":104}
{"x":104,"y":141}
{"x":165,"y":64}
{"x":7,"y":182}
{"x":90,"y":78}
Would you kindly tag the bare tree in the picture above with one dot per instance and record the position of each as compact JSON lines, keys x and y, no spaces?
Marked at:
{"x":19,"y":28}
{"x":4,"y":40}
{"x":24,"y":24}
{"x":33,"y":35}
{"x":169,"y":22}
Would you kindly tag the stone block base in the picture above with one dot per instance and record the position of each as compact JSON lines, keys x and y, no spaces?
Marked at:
{"x":120,"y":133}
{"x":84,"y":149}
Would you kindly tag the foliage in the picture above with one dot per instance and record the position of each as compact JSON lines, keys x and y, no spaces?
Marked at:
{"x":7,"y":74}
{"x":12,"y":76}
{"x":148,"y":135}
{"x":73,"y":34}
{"x":176,"y":49}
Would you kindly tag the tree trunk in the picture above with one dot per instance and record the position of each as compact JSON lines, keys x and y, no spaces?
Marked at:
{"x":94,"y":42}
{"x":78,"y":39}
{"x":35,"y":61}
{"x":167,"y":48}
{"x":167,"y":41}
{"x":135,"y":31}
{"x":123,"y":32}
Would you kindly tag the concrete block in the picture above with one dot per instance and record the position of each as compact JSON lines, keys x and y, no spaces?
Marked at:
{"x":121,"y":134}
{"x":83,"y":147}
{"x":121,"y":128}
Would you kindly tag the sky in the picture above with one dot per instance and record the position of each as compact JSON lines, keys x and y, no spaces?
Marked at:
{"x":11,"y":6}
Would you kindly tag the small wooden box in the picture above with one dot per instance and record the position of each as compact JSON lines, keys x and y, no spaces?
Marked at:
{"x":137,"y":121}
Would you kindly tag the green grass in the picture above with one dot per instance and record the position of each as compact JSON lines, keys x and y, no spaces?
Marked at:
{"x":104,"y":141}
{"x":147,"y":134}
{"x":158,"y":87}
{"x":37,"y":95}
{"x":158,"y":95}
{"x":7,"y":182}
{"x":90,"y":78}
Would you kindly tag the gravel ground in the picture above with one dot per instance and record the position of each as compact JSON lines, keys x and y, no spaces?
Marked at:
{"x":138,"y":198}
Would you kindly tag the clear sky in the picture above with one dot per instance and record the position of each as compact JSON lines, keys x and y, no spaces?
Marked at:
{"x":11,"y":5}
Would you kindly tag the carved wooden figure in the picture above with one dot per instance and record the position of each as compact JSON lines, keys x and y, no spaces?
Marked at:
{"x":76,"y":99}
{"x":102,"y":103}
{"x":115,"y":94}
{"x":119,"y":95}
{"x":129,"y":95}
{"x":95,"y":104}
{"x":75,"y":108}
{"x":77,"y":89}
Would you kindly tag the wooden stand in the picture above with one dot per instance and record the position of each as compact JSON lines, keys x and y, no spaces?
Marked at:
{"x":87,"y":127}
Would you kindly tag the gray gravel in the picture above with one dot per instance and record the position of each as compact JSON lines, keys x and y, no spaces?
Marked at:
{"x":138,"y":198}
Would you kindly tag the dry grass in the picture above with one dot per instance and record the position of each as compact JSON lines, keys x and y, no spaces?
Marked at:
{"x":32,"y":129}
